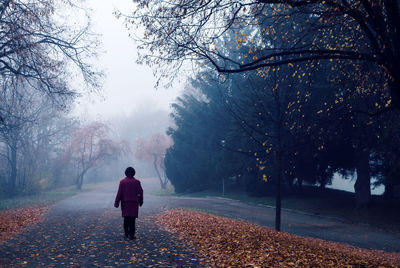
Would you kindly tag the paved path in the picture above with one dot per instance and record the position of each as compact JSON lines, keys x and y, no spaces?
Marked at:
{"x":86,"y":231}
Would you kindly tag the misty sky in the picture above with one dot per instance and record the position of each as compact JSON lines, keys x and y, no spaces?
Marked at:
{"x":128,"y":87}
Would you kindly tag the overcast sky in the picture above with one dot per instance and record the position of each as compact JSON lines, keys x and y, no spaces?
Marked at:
{"x":128,"y":87}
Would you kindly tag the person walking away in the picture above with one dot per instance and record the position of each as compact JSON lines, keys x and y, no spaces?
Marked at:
{"x":130,"y":194}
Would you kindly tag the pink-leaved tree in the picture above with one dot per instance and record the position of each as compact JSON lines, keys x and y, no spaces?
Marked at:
{"x":153,"y":150}
{"x":91,"y":145}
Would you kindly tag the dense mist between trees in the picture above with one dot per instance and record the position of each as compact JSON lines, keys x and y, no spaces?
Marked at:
{"x":44,"y":148}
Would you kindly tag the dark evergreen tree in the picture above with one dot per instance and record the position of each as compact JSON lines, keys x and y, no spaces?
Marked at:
{"x":197,"y":159}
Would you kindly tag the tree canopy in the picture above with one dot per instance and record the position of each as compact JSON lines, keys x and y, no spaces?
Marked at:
{"x":356,"y":31}
{"x":40,"y":46}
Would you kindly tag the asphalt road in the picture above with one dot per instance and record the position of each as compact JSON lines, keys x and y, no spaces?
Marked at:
{"x":295,"y":222}
{"x":86,"y":231}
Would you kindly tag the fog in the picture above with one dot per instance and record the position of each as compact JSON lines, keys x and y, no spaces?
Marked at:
{"x":128,"y":88}
{"x":128,"y":100}
{"x":348,"y":185}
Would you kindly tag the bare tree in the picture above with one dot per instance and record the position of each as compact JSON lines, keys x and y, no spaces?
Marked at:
{"x":21,"y":108}
{"x":38,"y":44}
{"x":358,"y":31}
{"x":41,"y":149}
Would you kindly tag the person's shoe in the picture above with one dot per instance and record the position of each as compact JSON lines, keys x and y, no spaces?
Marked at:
{"x":131,"y":237}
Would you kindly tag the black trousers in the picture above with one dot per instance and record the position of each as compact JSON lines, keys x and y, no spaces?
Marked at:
{"x":129,"y":226}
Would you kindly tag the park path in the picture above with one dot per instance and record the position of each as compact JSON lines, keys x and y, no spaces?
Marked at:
{"x":86,"y":231}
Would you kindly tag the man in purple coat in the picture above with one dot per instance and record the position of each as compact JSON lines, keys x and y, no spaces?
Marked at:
{"x":130,"y":194}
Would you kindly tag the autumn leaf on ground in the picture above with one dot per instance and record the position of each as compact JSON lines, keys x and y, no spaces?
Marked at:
{"x":15,"y":221}
{"x":232,"y":243}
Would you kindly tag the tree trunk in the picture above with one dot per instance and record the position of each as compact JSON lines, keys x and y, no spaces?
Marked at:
{"x":278,"y":129}
{"x":24,"y":179}
{"x":299,"y":185}
{"x":13,"y":163}
{"x":163,"y":185}
{"x":362,"y":187}
{"x":278,"y":193}
{"x":389,"y":191}
{"x":79,"y":181}
{"x":165,"y":180}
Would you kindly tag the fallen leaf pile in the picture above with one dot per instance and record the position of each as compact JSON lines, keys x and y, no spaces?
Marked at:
{"x":16,"y":220}
{"x":232,"y":243}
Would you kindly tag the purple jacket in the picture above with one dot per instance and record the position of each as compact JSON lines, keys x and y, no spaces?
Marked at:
{"x":130,"y":194}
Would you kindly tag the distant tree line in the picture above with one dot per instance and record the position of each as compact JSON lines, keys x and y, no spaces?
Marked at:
{"x":42,"y":147}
